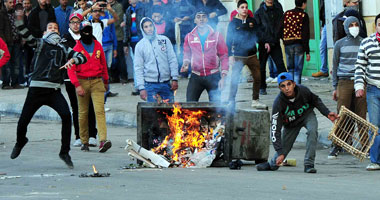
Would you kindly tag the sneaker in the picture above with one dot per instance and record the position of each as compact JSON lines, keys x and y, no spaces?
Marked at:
{"x":320,"y":74}
{"x":310,"y":169}
{"x":112,"y":94}
{"x":6,"y":87}
{"x":334,"y":153}
{"x":263,"y":92}
{"x":104,"y":146}
{"x":67,"y":159}
{"x":106,"y":109}
{"x":274,"y":80}
{"x":77,"y":143}
{"x":258,"y":105}
{"x":134,"y":91}
{"x":373,"y":166}
{"x":85,"y":147}
{"x":17,"y":149}
{"x":92,"y":142}
{"x":17,"y":86}
{"x":269,"y":79}
{"x":264,"y":167}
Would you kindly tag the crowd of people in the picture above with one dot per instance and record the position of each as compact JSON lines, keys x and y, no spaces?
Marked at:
{"x":151,"y":44}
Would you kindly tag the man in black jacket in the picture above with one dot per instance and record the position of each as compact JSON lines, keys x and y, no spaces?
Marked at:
{"x":44,"y":89}
{"x":268,"y":21}
{"x":293,"y":109}
{"x":39,"y":17}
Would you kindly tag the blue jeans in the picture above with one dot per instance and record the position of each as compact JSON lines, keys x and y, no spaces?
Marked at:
{"x":323,"y":51}
{"x":295,"y":58}
{"x":108,"y":51}
{"x":373,"y":107}
{"x":272,"y":68}
{"x":11,"y":69}
{"x":163,"y":89}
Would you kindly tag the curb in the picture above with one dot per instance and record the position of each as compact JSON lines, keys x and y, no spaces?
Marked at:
{"x":46,"y":113}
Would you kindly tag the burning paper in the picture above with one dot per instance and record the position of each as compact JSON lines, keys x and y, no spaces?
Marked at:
{"x":190,"y":143}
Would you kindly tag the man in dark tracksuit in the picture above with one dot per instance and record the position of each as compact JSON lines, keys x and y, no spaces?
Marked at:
{"x":268,"y":20}
{"x":50,"y":55}
{"x":293,"y":109}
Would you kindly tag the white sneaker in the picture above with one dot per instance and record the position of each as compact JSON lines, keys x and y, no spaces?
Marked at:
{"x":77,"y":143}
{"x":92,"y":142}
{"x":258,"y":105}
{"x":269,"y":79}
{"x":274,"y":80}
{"x":107,"y":109}
{"x":373,"y":166}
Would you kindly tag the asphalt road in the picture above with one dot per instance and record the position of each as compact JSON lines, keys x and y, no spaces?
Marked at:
{"x":38,"y":173}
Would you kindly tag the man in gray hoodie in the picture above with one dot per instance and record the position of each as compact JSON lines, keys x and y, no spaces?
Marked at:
{"x":155,"y":64}
{"x":345,"y":54}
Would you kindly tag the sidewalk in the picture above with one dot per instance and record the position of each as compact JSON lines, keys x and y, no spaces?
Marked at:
{"x":123,"y":107}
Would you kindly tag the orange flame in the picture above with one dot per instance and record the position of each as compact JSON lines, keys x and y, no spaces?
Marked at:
{"x":94,"y":168}
{"x":185,"y":134}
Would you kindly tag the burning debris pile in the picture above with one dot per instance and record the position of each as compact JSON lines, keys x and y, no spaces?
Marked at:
{"x":193,"y":139}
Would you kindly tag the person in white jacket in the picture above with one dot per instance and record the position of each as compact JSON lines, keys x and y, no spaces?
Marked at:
{"x":155,"y":64}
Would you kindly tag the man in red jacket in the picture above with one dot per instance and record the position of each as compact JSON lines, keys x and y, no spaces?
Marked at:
{"x":205,"y":47}
{"x":91,"y":80}
{"x":4,"y":53}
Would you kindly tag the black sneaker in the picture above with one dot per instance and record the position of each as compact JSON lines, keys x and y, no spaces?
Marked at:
{"x":17,"y":149}
{"x":334,"y":153}
{"x":112,"y":94}
{"x":310,"y":169}
{"x":85,"y":147}
{"x":67,"y":159}
{"x":263,"y":167}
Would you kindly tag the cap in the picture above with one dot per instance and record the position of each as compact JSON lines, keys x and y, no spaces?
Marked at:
{"x":201,"y":11}
{"x":284,"y":76}
{"x":77,"y":15}
{"x":85,"y":24}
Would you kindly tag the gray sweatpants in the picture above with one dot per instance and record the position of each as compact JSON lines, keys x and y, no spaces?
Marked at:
{"x":289,"y":135}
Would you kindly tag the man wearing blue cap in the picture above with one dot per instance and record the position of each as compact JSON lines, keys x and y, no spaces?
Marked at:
{"x":293,"y":109}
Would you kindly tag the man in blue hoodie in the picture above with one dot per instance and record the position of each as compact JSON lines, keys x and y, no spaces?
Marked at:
{"x":155,"y":64}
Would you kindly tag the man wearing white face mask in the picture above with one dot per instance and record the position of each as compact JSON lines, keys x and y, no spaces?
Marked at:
{"x":345,"y":54}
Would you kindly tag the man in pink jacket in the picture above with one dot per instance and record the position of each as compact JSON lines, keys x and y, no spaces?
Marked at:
{"x":204,"y":48}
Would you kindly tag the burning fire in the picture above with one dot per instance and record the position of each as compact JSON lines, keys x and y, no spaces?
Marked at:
{"x":94,"y":168}
{"x":186,"y":136}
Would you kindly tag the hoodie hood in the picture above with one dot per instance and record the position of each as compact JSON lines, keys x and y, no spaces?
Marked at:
{"x":347,"y":23}
{"x":149,"y":37}
{"x":52,"y":38}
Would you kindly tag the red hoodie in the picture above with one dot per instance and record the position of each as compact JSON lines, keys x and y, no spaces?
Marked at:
{"x":6,"y":56}
{"x":95,"y":66}
{"x":205,"y":63}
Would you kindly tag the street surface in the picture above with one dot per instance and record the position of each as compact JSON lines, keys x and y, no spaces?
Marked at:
{"x":38,"y":173}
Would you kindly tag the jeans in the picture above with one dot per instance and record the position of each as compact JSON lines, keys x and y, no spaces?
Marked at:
{"x":163,"y":89}
{"x":272,"y":68}
{"x":276,"y":54}
{"x":108,"y":51}
{"x":11,"y":69}
{"x":94,"y":89}
{"x":373,"y":107}
{"x":197,"y":84}
{"x":35,"y":99}
{"x":323,"y":51}
{"x":120,"y":64}
{"x":295,"y":58}
{"x":254,"y":66}
{"x":289,"y":136}
{"x":70,"y":89}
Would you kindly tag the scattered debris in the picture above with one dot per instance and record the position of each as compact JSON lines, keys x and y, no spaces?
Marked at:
{"x":153,"y":160}
{"x":9,"y":177}
{"x":96,"y":174}
{"x":290,"y":162}
{"x":236,"y":164}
